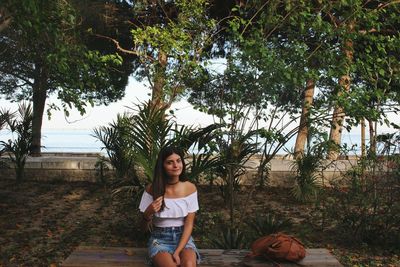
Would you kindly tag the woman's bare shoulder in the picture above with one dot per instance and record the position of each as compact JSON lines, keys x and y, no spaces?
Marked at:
{"x":190,"y":188}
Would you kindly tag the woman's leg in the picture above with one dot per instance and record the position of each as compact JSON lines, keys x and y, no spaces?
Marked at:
{"x":163,"y":259}
{"x":188,"y":258}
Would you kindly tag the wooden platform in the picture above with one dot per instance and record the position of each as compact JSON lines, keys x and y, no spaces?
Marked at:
{"x":85,"y":256}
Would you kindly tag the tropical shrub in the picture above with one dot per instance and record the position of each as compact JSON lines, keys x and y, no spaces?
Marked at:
{"x":308,"y":167}
{"x":364,"y":206}
{"x":149,"y":130}
{"x":306,"y":183}
{"x":4,"y":115}
{"x":133,"y":142}
{"x":229,"y":238}
{"x":102,"y":170}
{"x":268,"y":224}
{"x":20,"y":125}
{"x":234,"y":151}
{"x":198,"y":145}
{"x":115,"y":138}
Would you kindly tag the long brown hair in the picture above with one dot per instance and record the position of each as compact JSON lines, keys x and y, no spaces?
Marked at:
{"x":160,"y":177}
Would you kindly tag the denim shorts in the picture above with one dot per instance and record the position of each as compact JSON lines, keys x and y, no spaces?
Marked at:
{"x":166,"y":239}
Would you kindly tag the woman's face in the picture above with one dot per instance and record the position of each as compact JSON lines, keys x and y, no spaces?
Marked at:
{"x":173,"y":165}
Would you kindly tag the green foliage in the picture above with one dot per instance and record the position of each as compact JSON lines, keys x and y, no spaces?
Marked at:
{"x":203,"y":161}
{"x":234,"y":153}
{"x":268,"y":224}
{"x":229,"y":238}
{"x":172,"y":44}
{"x":57,"y":49}
{"x":308,"y":167}
{"x":4,"y":117}
{"x":306,"y":180}
{"x":263,"y":173}
{"x":149,"y":130}
{"x":364,"y":205}
{"x":133,"y":142}
{"x":207,"y":221}
{"x":20,"y":125}
{"x":242,"y":108}
{"x":286,"y":44}
{"x":115,"y":139}
{"x":199,"y":164}
{"x":45,"y":54}
{"x":102,"y":170}
{"x":389,"y":144}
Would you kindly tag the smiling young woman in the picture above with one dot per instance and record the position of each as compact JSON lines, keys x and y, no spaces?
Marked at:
{"x":169,"y":206}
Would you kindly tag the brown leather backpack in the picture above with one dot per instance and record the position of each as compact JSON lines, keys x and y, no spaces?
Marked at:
{"x":278,"y":247}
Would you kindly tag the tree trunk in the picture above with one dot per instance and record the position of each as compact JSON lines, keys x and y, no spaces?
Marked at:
{"x":372,"y":138}
{"x":335,"y":135}
{"x":39,"y":100}
{"x":363,"y":137}
{"x":159,"y":81}
{"x":303,"y":127}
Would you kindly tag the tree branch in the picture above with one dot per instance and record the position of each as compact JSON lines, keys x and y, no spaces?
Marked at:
{"x":22,"y":78}
{"x":381,"y":5}
{"x":5,"y":23}
{"x":277,"y":25}
{"x":255,"y":14}
{"x":123,"y":50}
{"x":5,"y":19}
{"x":373,"y":30}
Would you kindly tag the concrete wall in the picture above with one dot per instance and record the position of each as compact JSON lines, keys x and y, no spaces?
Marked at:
{"x":81,"y":167}
{"x":281,"y":170}
{"x":57,"y":166}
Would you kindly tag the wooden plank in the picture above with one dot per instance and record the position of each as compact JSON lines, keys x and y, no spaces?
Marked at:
{"x":106,"y":256}
{"x":85,"y":256}
{"x":314,"y":258}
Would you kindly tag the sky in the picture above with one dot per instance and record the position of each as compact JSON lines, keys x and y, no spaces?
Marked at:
{"x":102,"y":115}
{"x":135,"y":92}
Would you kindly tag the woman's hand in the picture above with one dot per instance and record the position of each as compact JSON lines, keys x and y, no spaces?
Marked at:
{"x":176,"y":258}
{"x":154,"y":207}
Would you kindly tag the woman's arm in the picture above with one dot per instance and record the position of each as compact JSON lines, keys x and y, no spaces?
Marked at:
{"x":187,"y":232}
{"x":146,"y":221}
{"x":147,"y":215}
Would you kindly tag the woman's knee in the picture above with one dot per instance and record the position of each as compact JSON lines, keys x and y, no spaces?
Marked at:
{"x":163,"y":259}
{"x":188,"y":258}
{"x":188,"y":263}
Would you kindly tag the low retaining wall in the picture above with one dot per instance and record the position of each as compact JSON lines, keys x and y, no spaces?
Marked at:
{"x":57,"y":166}
{"x":81,"y":167}
{"x":281,"y":171}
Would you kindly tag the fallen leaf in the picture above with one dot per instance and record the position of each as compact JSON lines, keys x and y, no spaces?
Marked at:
{"x":49,"y":233}
{"x":129,"y":252}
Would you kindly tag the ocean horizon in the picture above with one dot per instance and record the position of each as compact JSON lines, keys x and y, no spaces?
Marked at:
{"x":83,"y":141}
{"x":65,"y":140}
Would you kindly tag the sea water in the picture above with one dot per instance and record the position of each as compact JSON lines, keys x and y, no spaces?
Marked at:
{"x":83,"y":141}
{"x":70,"y":141}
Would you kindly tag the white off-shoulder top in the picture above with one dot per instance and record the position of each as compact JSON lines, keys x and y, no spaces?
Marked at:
{"x":175,"y":211}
